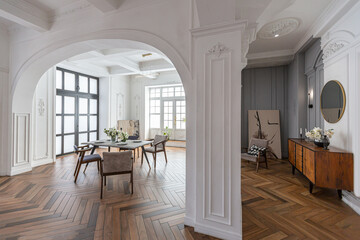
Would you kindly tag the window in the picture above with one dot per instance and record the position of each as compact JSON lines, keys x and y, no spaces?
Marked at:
{"x":77,"y":116}
{"x":167,"y":107}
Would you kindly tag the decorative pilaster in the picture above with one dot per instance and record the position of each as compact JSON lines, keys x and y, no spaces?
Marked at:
{"x":218,"y":59}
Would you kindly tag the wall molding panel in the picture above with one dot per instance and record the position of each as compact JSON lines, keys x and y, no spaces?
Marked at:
{"x":218,"y":136}
{"x":43,"y":116}
{"x":21,"y":140}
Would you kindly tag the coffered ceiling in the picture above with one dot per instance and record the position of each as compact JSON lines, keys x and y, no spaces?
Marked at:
{"x":119,"y":61}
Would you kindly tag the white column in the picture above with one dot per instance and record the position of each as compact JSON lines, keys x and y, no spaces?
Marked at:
{"x":217,"y":62}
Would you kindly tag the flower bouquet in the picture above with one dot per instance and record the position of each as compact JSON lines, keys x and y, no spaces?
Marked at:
{"x":123,"y":136}
{"x":321,"y":138}
{"x":112,"y":133}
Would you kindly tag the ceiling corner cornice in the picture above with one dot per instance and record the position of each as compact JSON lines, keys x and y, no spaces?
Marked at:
{"x":332,"y":13}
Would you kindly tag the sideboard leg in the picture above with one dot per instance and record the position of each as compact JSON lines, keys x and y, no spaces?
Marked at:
{"x":311,"y":185}
{"x":293,"y":170}
{"x":339,"y":193}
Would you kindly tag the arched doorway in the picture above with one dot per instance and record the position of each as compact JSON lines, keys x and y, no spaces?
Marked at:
{"x":27,"y":77}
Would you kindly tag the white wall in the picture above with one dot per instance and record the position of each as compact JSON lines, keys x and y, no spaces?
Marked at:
{"x":4,"y":104}
{"x":341,"y":48}
{"x":138,"y":97}
{"x":43,"y":120}
{"x":115,"y":102}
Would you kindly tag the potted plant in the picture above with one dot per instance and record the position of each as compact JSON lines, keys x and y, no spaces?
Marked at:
{"x":167,"y":132}
{"x":112,"y":133}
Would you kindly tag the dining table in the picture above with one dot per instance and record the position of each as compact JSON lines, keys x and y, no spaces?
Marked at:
{"x":127,"y":145}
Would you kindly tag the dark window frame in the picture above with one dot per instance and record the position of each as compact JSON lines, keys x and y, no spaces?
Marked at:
{"x":76,"y":94}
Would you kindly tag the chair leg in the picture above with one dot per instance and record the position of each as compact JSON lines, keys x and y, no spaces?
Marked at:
{"x":98,"y":165}
{"x":154,"y":154}
{"x":77,"y":173}
{"x":142,"y":157}
{"x":86,"y":167}
{"x":77,"y":165}
{"x":266,"y":162}
{"x":257,"y":165}
{"x":105,"y":180}
{"x":132,"y":183}
{"x":102,"y":184}
{"x":165,"y":156}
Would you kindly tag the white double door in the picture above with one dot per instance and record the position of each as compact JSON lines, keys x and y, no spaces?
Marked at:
{"x":174,"y":117}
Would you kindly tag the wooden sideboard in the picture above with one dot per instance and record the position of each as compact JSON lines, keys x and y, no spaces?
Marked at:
{"x":333,"y":168}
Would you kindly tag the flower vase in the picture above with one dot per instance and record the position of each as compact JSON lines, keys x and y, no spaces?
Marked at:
{"x":326,"y":142}
{"x":113,"y":139}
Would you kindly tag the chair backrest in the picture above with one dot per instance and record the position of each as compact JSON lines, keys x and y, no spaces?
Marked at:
{"x":159,"y":138}
{"x":76,"y":148}
{"x":135,"y":137}
{"x":117,"y":161}
{"x":258,"y":142}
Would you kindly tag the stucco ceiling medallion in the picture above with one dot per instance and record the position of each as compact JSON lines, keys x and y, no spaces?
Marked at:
{"x":279,"y":28}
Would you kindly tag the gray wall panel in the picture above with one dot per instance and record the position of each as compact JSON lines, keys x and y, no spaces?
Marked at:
{"x":265,"y":89}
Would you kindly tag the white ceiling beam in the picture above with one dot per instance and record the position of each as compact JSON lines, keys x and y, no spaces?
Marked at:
{"x":160,"y":65}
{"x":105,"y":5}
{"x":124,"y":62}
{"x":117,"y":70}
{"x":88,"y":69}
{"x":25,"y":14}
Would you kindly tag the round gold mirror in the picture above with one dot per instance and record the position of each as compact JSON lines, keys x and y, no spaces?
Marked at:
{"x":332,"y":101}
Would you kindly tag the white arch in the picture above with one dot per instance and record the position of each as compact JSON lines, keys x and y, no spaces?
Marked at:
{"x":27,"y":77}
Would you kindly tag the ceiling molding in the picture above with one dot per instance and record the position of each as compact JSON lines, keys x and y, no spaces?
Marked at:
{"x":333,"y":13}
{"x":25,"y":14}
{"x":272,"y":54}
{"x":269,"y":62}
{"x":270,"y":59}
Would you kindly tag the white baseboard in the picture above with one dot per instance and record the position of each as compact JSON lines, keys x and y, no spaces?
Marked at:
{"x":36,"y":163}
{"x":350,"y":199}
{"x":189,"y":221}
{"x":215,"y":232}
{"x":20,"y":169}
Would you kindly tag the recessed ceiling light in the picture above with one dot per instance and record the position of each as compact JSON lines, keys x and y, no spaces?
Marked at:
{"x":276,"y":35}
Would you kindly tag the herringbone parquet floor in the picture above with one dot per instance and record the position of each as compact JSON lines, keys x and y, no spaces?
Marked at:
{"x":46,"y":204}
{"x":278,"y":205}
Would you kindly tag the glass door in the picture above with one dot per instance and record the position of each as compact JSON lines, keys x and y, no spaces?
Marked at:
{"x":76,"y":110}
{"x":180,"y":120}
{"x":174,"y":112}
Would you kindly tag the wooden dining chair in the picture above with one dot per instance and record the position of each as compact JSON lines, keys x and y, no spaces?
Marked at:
{"x":83,"y":158}
{"x":260,"y":156}
{"x":116,"y":163}
{"x":135,"y":137}
{"x":158,"y":145}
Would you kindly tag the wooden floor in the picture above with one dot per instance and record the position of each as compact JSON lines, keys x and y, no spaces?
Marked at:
{"x":278,"y":205}
{"x":46,"y":204}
